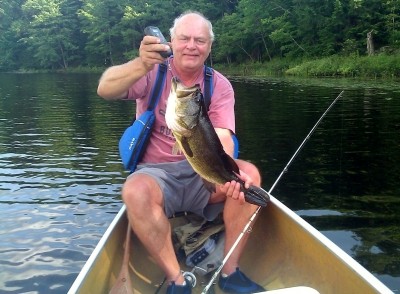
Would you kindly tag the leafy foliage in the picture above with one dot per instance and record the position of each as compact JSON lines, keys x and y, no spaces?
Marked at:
{"x":54,"y":34}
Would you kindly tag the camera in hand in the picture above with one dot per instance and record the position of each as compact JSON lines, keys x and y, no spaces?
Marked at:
{"x":155,"y":31}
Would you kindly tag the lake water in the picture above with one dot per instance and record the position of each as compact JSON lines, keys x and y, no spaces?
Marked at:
{"x":60,"y":173}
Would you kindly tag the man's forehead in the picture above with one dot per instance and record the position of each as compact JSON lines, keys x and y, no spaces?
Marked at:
{"x":196,"y":28}
{"x":192,"y":33}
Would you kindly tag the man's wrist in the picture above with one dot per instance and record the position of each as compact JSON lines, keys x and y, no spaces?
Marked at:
{"x":140,"y":67}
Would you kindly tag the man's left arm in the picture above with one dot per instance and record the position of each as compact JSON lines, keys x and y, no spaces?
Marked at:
{"x":232,"y":189}
{"x":225,"y":136}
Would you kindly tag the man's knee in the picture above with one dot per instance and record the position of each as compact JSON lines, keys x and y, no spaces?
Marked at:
{"x":251,"y":170}
{"x":140,"y":191}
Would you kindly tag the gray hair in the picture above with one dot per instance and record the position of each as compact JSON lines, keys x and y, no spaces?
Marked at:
{"x":179,"y":18}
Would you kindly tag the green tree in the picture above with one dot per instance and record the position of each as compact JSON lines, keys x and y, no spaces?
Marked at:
{"x":100,"y":23}
{"x":309,"y":19}
{"x":62,"y":33}
{"x":230,"y":41}
{"x":254,"y":27}
{"x":371,"y":15}
{"x":10,"y":15}
{"x":48,"y":35}
{"x":213,"y":9}
{"x":279,"y":23}
{"x":392,"y":21}
{"x":69,"y":10}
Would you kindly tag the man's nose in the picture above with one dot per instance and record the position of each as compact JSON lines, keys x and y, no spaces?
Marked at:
{"x":191,"y":43}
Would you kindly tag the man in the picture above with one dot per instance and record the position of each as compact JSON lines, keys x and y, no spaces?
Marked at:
{"x":164,"y":183}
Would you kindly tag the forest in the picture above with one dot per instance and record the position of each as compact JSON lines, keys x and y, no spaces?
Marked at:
{"x":63,"y":34}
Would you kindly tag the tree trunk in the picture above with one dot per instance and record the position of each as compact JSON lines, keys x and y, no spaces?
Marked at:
{"x":244,"y":50}
{"x":370,"y":44}
{"x":65,"y":65}
{"x":266,"y":47}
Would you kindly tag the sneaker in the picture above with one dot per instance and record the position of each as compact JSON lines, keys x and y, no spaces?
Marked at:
{"x":180,"y":289}
{"x":237,"y":282}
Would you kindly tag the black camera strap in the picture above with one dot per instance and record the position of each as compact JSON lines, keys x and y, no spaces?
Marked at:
{"x":208,"y":85}
{"x":157,"y":89}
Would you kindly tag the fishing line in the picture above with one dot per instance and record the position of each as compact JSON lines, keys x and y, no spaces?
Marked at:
{"x":285,"y":169}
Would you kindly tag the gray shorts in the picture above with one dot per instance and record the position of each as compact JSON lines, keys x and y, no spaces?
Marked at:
{"x":183,"y":188}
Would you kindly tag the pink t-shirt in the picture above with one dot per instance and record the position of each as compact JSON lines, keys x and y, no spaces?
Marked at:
{"x":221,"y":111}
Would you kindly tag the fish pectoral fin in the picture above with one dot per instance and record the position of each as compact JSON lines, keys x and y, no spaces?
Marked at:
{"x":186,"y":147}
{"x":176,"y":149}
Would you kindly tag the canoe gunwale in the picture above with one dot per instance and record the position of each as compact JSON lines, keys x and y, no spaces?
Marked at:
{"x":97,"y":250}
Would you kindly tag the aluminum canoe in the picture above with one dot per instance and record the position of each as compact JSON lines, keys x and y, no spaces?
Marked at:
{"x":284,"y":253}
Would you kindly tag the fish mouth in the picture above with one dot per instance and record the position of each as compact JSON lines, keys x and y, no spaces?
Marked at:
{"x":181,"y":90}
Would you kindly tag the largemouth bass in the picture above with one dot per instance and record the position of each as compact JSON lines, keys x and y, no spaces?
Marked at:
{"x":187,"y":117}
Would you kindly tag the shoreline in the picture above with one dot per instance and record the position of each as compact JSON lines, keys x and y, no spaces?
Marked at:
{"x":377,"y":67}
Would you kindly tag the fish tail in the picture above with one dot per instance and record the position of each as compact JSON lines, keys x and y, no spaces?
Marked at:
{"x":256,"y":195}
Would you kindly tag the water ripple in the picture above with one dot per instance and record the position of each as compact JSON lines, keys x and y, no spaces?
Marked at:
{"x":61,"y":176}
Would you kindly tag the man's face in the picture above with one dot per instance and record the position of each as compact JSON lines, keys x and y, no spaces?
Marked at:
{"x":191,"y":43}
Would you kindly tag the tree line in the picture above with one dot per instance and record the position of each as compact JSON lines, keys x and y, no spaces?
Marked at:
{"x":59,"y":34}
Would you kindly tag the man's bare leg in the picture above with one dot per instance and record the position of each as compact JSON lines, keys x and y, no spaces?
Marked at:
{"x":236,"y":216}
{"x":144,"y":202}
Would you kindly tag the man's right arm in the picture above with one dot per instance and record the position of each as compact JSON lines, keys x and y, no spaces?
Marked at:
{"x":116,"y":80}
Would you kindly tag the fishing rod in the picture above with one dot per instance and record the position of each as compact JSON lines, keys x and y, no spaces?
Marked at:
{"x":285,"y":169}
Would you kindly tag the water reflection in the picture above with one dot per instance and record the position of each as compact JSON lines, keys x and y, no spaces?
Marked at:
{"x":44,"y":243}
{"x":59,"y":181}
{"x":60,"y":173}
{"x":345,"y":180}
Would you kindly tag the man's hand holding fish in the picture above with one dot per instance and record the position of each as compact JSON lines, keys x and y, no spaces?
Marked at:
{"x":232,"y":188}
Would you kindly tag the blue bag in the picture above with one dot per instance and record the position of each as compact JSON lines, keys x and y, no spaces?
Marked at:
{"x":135,"y":138}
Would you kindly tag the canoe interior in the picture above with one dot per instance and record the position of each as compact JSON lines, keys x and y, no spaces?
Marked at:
{"x":281,"y":253}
